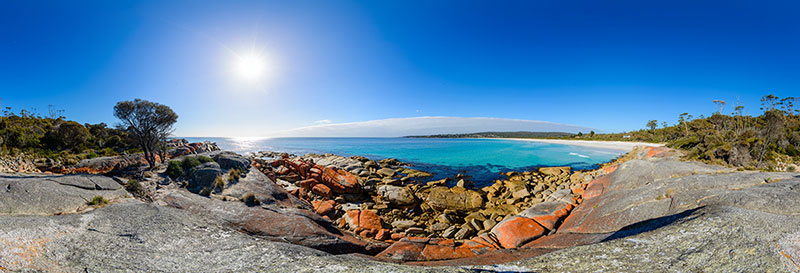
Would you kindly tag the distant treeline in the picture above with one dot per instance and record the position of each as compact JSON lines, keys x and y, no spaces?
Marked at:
{"x":520,"y":134}
{"x":54,"y":137}
{"x":144,"y":128}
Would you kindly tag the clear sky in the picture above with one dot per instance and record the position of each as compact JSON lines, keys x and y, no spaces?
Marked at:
{"x":610,"y":65}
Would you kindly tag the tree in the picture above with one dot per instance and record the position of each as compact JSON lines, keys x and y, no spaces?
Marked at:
{"x":591,"y":134}
{"x":148,"y":122}
{"x":773,"y":130}
{"x":720,"y":105}
{"x":769,"y":102}
{"x":652,"y":124}
{"x":68,"y":135}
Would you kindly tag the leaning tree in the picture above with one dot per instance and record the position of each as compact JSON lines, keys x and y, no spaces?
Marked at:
{"x":148,"y":122}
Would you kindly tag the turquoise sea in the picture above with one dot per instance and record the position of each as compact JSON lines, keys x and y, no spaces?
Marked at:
{"x":482,"y":159}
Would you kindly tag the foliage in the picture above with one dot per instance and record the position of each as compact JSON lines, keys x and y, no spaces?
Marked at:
{"x":219,"y":183}
{"x":190,"y":162}
{"x":234,"y":174}
{"x":148,"y":122}
{"x":749,"y":142}
{"x":174,"y":169}
{"x":57,"y":138}
{"x":97,"y":201}
{"x":181,"y":168}
{"x":250,"y":199}
{"x":204,"y":159}
{"x":134,"y":186}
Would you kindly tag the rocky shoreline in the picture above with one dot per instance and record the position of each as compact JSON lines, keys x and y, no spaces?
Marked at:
{"x":324,"y":206}
{"x":384,"y":202}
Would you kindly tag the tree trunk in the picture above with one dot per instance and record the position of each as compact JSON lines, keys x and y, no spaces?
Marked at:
{"x":148,"y":156}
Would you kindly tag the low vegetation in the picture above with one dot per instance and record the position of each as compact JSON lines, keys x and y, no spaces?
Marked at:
{"x":250,"y":200}
{"x":97,"y":201}
{"x":770,"y":141}
{"x":56,"y":138}
{"x":181,"y":168}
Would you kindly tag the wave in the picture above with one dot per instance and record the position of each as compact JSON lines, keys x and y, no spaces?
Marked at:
{"x":580,"y":155}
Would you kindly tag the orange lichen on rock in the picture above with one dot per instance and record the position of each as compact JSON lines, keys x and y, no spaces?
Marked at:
{"x":517,"y":231}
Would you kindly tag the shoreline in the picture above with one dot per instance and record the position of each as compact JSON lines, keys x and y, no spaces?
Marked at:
{"x":611,"y":145}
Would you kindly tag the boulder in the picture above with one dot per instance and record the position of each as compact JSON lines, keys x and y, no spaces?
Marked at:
{"x":229,"y":160}
{"x":340,"y":181}
{"x":203,"y":176}
{"x":442,"y":198}
{"x":516,"y":231}
{"x":427,"y":249}
{"x":359,"y":220}
{"x":263,"y":188}
{"x":403,"y":224}
{"x":386,"y":172}
{"x":554,"y":171}
{"x":398,"y":196}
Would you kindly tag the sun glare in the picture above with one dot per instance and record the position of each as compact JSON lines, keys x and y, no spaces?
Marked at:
{"x":251,"y":67}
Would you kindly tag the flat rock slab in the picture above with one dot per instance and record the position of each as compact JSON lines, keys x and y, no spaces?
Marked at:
{"x":31,"y":194}
{"x":640,"y":190}
{"x":137,"y":237}
{"x":284,"y":224}
{"x":710,"y":239}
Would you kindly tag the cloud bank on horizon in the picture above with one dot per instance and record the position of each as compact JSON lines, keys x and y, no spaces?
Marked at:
{"x":397,"y":127}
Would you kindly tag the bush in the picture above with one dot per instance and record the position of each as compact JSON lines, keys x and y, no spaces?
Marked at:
{"x":91,"y":155}
{"x":204,"y":159}
{"x":107,"y":152}
{"x":250,"y":199}
{"x":190,"y":162}
{"x":174,"y":169}
{"x":97,"y":201}
{"x":134,"y":186}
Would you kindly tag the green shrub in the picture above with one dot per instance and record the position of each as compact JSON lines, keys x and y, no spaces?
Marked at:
{"x":174,"y":169}
{"x":134,"y":186}
{"x":204,"y":159}
{"x":91,"y":155}
{"x":97,"y":201}
{"x":190,"y":162}
{"x":107,"y":152}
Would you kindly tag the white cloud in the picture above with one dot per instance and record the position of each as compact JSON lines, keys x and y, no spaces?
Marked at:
{"x":397,"y":127}
{"x":324,"y":121}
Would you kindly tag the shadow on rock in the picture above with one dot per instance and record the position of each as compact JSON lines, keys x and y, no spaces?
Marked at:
{"x":652,"y":224}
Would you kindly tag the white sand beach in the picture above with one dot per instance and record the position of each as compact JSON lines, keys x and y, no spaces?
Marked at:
{"x":613,"y":145}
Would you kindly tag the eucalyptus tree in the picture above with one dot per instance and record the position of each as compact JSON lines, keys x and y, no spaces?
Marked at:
{"x":148,"y":122}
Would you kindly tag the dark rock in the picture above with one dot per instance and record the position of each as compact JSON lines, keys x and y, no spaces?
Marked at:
{"x":228,"y":160}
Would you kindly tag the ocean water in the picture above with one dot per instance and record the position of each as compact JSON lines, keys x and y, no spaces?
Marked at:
{"x":482,"y":159}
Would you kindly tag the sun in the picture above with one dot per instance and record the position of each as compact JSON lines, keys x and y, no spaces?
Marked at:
{"x":251,"y":67}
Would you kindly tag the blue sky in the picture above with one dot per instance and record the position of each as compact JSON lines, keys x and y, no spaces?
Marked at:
{"x":610,"y":65}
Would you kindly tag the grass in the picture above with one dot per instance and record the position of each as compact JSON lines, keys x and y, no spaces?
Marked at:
{"x":219,"y":183}
{"x":234,"y":174}
{"x":97,"y":201}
